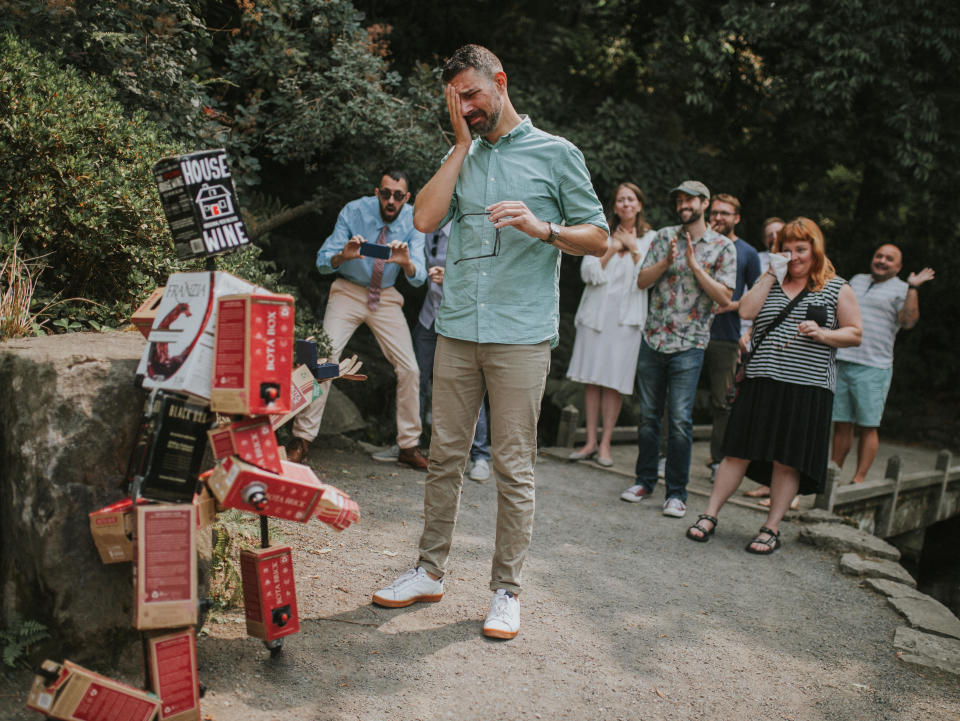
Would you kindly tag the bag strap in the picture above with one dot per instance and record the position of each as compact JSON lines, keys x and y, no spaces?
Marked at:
{"x":781,"y":316}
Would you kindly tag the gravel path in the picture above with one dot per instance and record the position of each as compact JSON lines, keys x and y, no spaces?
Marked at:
{"x":623,"y":618}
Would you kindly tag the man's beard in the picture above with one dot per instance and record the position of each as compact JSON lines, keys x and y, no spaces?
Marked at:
{"x":386,"y":216}
{"x":695,"y":215}
{"x":487,"y":125}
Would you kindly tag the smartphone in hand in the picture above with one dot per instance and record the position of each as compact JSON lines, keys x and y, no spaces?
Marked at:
{"x":372,"y":250}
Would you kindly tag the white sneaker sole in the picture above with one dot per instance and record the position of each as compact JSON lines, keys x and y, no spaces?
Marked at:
{"x":631,"y":497}
{"x":392,"y":603}
{"x":675,"y":514}
{"x":499,"y":633}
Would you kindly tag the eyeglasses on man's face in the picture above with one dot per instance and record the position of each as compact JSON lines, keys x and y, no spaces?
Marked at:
{"x":385,"y":194}
{"x":496,"y":241}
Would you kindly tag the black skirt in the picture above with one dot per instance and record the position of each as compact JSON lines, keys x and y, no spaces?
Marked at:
{"x":784,"y":422}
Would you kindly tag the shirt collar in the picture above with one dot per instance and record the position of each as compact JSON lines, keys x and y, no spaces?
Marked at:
{"x":519,"y":130}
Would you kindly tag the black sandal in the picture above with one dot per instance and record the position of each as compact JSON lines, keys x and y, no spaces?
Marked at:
{"x":772,"y":543}
{"x":706,"y":534}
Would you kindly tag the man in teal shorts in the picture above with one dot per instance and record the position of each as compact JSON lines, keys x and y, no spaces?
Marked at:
{"x":887,"y":304}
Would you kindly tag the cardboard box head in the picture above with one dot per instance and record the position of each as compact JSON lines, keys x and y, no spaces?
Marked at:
{"x":292,"y":495}
{"x":196,"y":191}
{"x":171,"y":669}
{"x":165,"y":572}
{"x":253,"y":354}
{"x":72,"y":693}
{"x":250,"y":439}
{"x":179,"y":354}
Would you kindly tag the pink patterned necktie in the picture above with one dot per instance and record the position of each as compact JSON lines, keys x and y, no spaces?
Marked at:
{"x":376,"y":277}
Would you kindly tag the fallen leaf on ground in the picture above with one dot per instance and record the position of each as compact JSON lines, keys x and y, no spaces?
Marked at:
{"x":389,"y":553}
{"x":658,"y":692}
{"x":341,"y":588}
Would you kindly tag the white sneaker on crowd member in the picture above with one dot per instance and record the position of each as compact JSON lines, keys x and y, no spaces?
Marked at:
{"x":480,"y":470}
{"x":634,"y":494}
{"x":387,"y":455}
{"x":662,"y":467}
{"x":503,"y":621}
{"x":413,"y":586}
{"x":675,"y":508}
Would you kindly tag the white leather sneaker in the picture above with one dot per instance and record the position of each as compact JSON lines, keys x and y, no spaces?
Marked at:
{"x":413,"y":586}
{"x":480,"y":470}
{"x":503,"y":621}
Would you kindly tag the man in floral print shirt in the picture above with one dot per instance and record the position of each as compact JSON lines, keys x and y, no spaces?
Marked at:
{"x":690,"y":271}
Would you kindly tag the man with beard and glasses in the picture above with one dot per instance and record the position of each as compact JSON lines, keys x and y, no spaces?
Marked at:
{"x":723,"y":350}
{"x":887,"y":304}
{"x":365,"y":293}
{"x":508,"y":191}
{"x":691,"y":270}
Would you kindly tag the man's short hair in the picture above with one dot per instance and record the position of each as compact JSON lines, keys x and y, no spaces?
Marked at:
{"x":476,"y":57}
{"x":728,"y":199}
{"x":397,"y":175}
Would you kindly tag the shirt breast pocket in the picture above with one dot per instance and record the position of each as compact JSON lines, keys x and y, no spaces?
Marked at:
{"x":537,"y":194}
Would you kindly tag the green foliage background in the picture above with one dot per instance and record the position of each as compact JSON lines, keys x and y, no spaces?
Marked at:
{"x":841,"y":111}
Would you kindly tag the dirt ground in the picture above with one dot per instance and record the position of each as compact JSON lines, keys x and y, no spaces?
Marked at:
{"x":622,"y":618}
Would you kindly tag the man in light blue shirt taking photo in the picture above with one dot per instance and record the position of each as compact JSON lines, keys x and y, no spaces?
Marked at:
{"x":518,"y":197}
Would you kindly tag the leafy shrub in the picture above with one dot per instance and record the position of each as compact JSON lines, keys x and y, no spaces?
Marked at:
{"x":17,"y":638}
{"x":76,"y":179}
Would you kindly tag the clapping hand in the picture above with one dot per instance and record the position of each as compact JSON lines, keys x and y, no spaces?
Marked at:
{"x":690,"y":255}
{"x":436,"y":274}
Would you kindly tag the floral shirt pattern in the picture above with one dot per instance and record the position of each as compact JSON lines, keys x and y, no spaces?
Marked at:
{"x":680,"y":311}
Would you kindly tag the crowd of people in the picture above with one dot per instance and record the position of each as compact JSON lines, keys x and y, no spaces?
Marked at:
{"x":487,"y":232}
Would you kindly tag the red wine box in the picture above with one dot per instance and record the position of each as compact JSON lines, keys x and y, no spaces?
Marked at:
{"x":250,"y":439}
{"x":112,"y":531}
{"x":303,"y":390}
{"x":269,"y":592}
{"x":292,"y":495}
{"x":143,"y":316}
{"x":165,"y":570}
{"x":171,"y":664}
{"x":253,"y":354}
{"x":72,"y":693}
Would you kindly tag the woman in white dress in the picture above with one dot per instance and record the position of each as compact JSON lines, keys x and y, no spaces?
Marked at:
{"x":610,"y":321}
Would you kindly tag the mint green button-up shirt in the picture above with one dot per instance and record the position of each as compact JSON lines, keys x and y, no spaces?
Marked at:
{"x":513,"y":297}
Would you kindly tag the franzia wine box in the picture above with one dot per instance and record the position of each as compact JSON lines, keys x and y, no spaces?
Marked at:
{"x":165,"y":571}
{"x":72,"y":693}
{"x":179,"y":352}
{"x":253,"y":354}
{"x":171,"y":666}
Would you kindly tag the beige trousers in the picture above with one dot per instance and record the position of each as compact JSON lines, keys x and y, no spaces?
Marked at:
{"x":514,"y":376}
{"x":346,"y":310}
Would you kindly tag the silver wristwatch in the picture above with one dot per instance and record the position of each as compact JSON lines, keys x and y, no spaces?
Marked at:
{"x":554,"y":235}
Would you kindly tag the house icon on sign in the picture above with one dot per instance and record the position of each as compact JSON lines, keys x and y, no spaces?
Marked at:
{"x":214,"y":202}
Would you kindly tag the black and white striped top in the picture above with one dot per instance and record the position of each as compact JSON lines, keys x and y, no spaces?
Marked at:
{"x":786,"y":356}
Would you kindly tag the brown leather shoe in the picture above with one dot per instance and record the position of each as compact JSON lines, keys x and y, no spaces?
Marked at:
{"x":413,"y":457}
{"x":297,"y":450}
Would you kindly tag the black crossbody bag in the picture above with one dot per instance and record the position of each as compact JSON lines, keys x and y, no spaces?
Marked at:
{"x":741,"y":372}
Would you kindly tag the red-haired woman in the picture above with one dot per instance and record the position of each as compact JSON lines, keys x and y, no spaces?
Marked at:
{"x":779,"y":428}
{"x":610,"y":321}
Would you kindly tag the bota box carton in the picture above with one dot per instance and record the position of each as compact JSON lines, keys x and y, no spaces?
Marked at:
{"x":253,"y":354}
{"x":179,"y":352}
{"x":196,"y":191}
{"x":250,"y":439}
{"x":292,"y":495}
{"x":112,"y":531}
{"x":143,"y":316}
{"x":170,"y":659}
{"x":168,"y":450}
{"x":269,"y":592}
{"x":72,"y":693}
{"x":303,"y":391}
{"x":165,"y":570}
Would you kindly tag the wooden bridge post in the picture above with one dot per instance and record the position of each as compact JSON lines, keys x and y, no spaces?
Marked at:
{"x":567,"y":428}
{"x":826,"y":499}
{"x":894,"y":473}
{"x":943,"y":464}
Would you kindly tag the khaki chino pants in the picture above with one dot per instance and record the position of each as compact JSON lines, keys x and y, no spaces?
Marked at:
{"x":346,"y":310}
{"x":514,"y":376}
